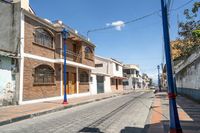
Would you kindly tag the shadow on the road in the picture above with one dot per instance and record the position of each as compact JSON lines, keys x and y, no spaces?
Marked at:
{"x":132,"y":130}
{"x":125,"y":130}
{"x":90,"y":130}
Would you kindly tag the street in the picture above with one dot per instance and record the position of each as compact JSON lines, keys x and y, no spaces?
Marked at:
{"x":126,"y":113}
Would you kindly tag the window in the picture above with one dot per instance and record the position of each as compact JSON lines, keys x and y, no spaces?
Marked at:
{"x":117,"y":67}
{"x":98,"y":65}
{"x":125,"y":83}
{"x":84,"y":77}
{"x":126,"y":71}
{"x":43,"y":37}
{"x":88,"y":53}
{"x":44,"y":74}
{"x":113,"y":81}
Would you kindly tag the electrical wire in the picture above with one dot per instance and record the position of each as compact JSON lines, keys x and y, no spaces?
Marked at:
{"x":140,"y":18}
{"x":127,"y":22}
{"x":175,"y":9}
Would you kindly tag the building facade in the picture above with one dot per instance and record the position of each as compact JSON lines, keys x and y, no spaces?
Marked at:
{"x":40,"y":58}
{"x":101,"y":75}
{"x":107,"y":75}
{"x":9,"y":57}
{"x":116,"y":71}
{"x":42,"y":61}
{"x":133,"y":79}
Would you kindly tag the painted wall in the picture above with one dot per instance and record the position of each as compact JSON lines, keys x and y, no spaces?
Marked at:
{"x":188,"y":78}
{"x":93,"y":85}
{"x":130,"y":83}
{"x":9,"y":26}
{"x":107,"y":86}
{"x":114,"y":72}
{"x":104,"y":69}
{"x":6,"y":81}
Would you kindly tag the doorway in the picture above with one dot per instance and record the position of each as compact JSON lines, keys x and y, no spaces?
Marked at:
{"x":100,"y":84}
{"x":71,"y":83}
{"x":117,"y":84}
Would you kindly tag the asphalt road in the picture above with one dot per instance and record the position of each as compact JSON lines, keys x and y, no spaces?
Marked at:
{"x":122,"y":114}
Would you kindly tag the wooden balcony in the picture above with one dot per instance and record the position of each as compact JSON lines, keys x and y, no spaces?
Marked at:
{"x":71,"y":56}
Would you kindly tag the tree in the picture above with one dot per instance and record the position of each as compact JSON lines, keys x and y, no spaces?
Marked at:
{"x":189,"y":33}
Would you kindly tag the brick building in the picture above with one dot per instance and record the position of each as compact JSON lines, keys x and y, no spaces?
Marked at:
{"x":39,"y":57}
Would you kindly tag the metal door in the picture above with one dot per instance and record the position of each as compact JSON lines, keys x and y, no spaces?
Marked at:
{"x":100,"y":84}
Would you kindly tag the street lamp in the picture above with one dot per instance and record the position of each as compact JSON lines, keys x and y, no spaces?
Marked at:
{"x":175,"y":126}
{"x":159,"y":85}
{"x":65,"y":35}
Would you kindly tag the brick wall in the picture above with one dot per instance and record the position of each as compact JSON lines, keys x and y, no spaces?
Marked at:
{"x":37,"y":49}
{"x":31,"y":91}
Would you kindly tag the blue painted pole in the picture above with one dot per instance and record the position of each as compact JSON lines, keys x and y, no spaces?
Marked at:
{"x":175,"y":126}
{"x":159,"y":85}
{"x":65,"y":35}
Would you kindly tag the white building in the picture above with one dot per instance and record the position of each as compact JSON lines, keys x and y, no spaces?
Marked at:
{"x":133,"y":78}
{"x":107,"y":75}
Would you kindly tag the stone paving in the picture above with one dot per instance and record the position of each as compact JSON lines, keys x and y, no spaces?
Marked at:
{"x":125,"y":113}
{"x":9,"y":114}
{"x":189,"y":114}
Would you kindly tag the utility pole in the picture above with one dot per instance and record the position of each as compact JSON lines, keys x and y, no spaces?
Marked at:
{"x":159,"y":85}
{"x":65,"y":35}
{"x":175,"y":126}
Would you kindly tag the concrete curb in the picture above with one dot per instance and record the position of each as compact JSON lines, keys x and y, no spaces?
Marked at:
{"x":20,"y":118}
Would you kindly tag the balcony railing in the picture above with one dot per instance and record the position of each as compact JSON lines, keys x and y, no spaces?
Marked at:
{"x":71,"y":56}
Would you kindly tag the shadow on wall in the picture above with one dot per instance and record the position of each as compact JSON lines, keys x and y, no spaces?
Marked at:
{"x":193,"y":94}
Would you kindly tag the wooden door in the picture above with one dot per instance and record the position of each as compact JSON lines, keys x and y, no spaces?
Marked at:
{"x":67,"y":85}
{"x":116,"y":84}
{"x":73,"y":83}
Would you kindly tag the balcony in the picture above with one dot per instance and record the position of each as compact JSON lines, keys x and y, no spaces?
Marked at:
{"x":71,"y":56}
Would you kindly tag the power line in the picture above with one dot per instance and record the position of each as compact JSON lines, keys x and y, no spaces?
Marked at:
{"x":170,"y":2}
{"x":182,"y":5}
{"x":127,"y":22}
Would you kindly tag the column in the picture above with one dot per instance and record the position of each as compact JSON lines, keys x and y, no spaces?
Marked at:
{"x":77,"y":80}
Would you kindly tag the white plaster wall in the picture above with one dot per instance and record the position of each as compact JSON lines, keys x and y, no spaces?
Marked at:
{"x":118,"y":73}
{"x":101,"y":70}
{"x":189,"y":77}
{"x":93,"y":85}
{"x":107,"y":86}
{"x":6,"y":82}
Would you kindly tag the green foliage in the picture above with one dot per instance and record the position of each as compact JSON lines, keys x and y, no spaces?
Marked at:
{"x":189,"y":31}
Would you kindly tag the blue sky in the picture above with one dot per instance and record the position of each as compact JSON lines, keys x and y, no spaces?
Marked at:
{"x":136,"y":43}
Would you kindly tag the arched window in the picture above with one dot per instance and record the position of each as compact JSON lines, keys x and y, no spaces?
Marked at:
{"x":84,"y":77}
{"x":44,"y":74}
{"x":43,"y":37}
{"x":88,"y":53}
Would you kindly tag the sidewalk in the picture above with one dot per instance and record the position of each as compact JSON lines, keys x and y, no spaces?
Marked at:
{"x":16,"y":113}
{"x":189,"y":114}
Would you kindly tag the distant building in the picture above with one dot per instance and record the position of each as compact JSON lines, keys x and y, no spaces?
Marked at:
{"x":107,"y":75}
{"x":133,"y":78}
{"x":145,"y":81}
